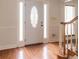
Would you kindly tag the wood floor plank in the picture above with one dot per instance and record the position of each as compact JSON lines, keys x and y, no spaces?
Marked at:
{"x":41,"y":51}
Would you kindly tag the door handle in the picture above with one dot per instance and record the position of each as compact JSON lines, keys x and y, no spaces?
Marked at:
{"x":41,"y":23}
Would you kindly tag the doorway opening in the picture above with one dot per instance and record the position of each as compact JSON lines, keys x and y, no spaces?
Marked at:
{"x":69,"y":15}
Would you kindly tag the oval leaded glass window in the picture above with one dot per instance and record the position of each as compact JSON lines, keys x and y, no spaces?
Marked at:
{"x":34,"y":16}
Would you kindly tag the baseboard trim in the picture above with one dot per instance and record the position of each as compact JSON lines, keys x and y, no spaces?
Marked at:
{"x":34,"y":44}
{"x":53,"y":42}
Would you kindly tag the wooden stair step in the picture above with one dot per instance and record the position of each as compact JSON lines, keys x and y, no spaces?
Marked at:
{"x":72,"y":53}
{"x":62,"y":57}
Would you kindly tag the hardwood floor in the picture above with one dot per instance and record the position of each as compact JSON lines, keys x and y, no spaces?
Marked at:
{"x":41,"y":51}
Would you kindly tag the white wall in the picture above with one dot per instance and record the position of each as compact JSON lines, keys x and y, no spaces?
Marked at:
{"x":8,"y":24}
{"x":55,"y":17}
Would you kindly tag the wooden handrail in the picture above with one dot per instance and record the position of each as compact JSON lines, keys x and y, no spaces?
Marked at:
{"x":64,"y":24}
{"x":76,"y":18}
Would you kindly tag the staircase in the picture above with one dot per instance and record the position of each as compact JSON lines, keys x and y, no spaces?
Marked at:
{"x":70,"y":44}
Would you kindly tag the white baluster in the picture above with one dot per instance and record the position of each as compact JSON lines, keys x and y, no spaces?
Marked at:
{"x":71,"y":36}
{"x":67,"y":38}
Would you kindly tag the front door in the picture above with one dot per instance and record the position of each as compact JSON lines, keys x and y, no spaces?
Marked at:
{"x":34,"y":22}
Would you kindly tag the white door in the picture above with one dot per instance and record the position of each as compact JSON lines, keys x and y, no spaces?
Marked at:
{"x":34,"y":22}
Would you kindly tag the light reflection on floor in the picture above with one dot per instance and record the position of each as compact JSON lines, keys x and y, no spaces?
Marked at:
{"x":21,"y":54}
{"x":45,"y":52}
